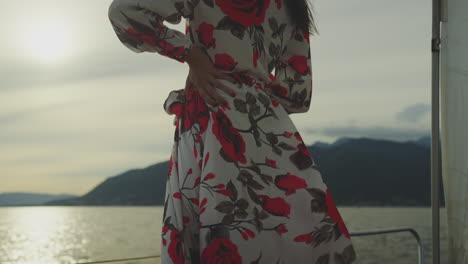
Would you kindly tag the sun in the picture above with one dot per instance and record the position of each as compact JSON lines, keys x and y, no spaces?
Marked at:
{"x":47,"y":42}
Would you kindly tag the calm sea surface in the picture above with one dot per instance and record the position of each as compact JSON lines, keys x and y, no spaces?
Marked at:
{"x":52,"y":235}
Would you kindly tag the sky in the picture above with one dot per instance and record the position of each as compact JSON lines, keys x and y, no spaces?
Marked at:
{"x":77,"y":106}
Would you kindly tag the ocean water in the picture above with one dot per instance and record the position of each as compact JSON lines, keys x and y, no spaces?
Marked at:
{"x":68,"y":235}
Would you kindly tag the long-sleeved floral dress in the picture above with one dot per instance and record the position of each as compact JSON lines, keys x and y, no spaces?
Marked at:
{"x":242,"y":187}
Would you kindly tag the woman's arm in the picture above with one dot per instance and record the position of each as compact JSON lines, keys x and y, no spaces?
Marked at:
{"x":291,"y":84}
{"x":139,"y":26}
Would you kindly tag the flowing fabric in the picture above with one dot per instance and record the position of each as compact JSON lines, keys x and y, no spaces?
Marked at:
{"x":242,"y":187}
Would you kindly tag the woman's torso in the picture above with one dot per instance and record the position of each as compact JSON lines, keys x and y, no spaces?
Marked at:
{"x":241,"y":35}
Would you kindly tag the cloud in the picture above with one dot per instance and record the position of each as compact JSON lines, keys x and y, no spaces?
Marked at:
{"x":49,"y":142}
{"x":414,"y":113}
{"x":14,"y":116}
{"x":23,"y":75}
{"x":378,"y":132}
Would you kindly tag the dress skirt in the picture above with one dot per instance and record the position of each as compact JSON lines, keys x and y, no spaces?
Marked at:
{"x":242,"y":186}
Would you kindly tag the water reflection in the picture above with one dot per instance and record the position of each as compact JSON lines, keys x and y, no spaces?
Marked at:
{"x":68,"y":235}
{"x":65,"y":235}
{"x":40,"y":235}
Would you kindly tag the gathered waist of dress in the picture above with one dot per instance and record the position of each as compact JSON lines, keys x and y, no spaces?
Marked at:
{"x":176,"y":99}
{"x":249,"y":77}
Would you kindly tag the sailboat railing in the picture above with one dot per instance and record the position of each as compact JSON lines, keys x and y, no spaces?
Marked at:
{"x":395,"y":230}
{"x":356,"y":233}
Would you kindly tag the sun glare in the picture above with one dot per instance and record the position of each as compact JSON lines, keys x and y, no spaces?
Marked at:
{"x":48,"y":42}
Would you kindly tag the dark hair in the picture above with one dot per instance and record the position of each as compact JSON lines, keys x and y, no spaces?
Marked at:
{"x":301,"y":13}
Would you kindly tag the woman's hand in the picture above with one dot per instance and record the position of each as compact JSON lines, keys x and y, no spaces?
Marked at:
{"x":203,"y":76}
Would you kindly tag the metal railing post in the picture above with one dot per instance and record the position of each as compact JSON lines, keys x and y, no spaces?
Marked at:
{"x":395,"y":230}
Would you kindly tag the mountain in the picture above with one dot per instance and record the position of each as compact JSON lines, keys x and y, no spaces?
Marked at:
{"x":22,"y":198}
{"x":338,"y":142}
{"x":145,"y":186}
{"x":424,"y":141}
{"x":364,"y":171}
{"x":357,"y":171}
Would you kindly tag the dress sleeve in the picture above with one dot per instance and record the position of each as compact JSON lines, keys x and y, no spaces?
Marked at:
{"x":291,"y":85}
{"x":139,"y":26}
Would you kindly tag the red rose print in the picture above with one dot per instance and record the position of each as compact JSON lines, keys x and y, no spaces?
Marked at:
{"x":169,"y":50}
{"x":298,"y":136}
{"x":177,"y":195}
{"x":165,"y":229}
{"x":270,"y":162}
{"x":249,"y":232}
{"x":307,"y":238}
{"x":171,"y":164}
{"x":276,"y":206}
{"x":202,"y":205}
{"x":279,"y":90}
{"x":290,"y":183}
{"x":207,"y":157}
{"x":231,"y":140}
{"x":194,"y":201}
{"x":274,"y":103}
{"x":272,"y":77}
{"x":148,"y":39}
{"x":278,"y":4}
{"x":140,"y":36}
{"x":281,"y":229}
{"x":224,"y":192}
{"x":302,"y":147}
{"x":288,"y":134}
{"x":225,"y":61}
{"x":177,"y":109}
{"x":244,"y":235}
{"x":221,"y":250}
{"x":306,"y":35}
{"x":197,"y":181}
{"x":209,"y":176}
{"x":195,"y":112}
{"x":205,"y":34}
{"x":245,"y":12}
{"x":175,"y":248}
{"x":299,"y":64}
{"x":335,"y":215}
{"x":203,"y":202}
{"x":255,"y":58}
{"x":249,"y":80}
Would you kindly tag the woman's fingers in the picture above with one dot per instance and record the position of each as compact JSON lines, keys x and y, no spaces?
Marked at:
{"x":206,"y":97}
{"x":211,"y":90}
{"x":208,"y":82}
{"x":222,"y":75}
{"x":223,"y":87}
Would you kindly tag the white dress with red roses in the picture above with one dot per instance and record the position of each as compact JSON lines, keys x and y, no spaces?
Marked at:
{"x":242,"y":187}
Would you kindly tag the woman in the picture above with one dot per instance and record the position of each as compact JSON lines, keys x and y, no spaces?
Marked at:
{"x":242,"y":186}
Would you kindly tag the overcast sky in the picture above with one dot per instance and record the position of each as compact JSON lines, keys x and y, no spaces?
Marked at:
{"x":76,"y":106}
